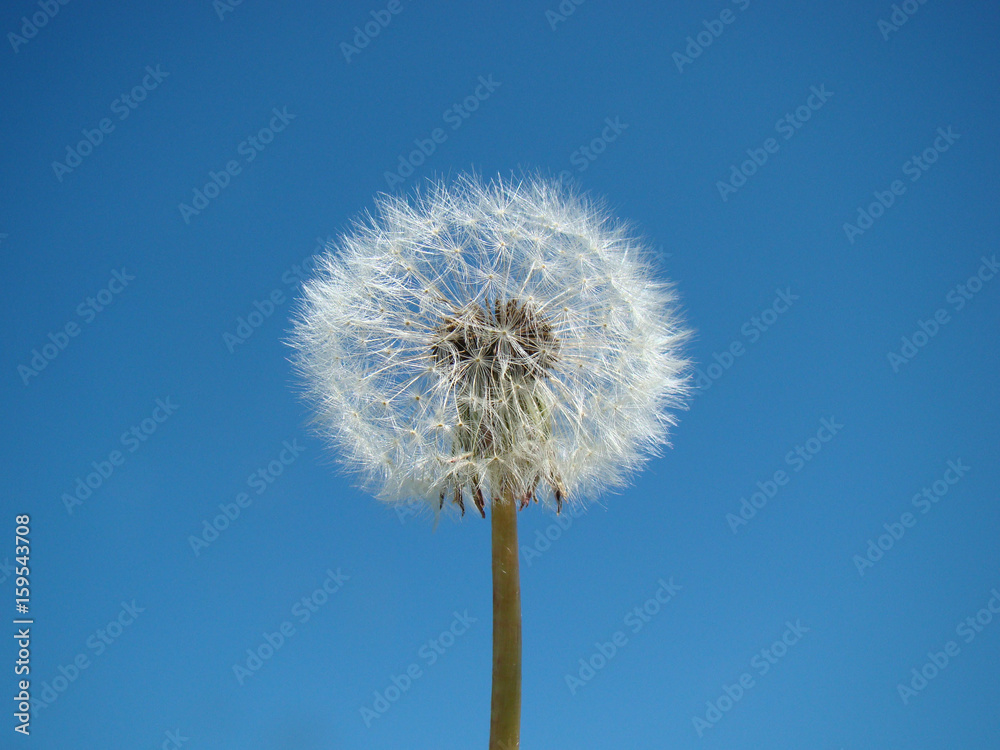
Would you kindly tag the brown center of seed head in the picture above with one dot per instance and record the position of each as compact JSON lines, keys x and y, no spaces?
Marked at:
{"x":494,"y":355}
{"x":508,"y":343}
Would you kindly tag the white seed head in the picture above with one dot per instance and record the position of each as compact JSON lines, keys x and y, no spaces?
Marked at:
{"x":490,"y":340}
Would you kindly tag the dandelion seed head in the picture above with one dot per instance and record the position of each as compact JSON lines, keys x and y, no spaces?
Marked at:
{"x":489,"y":340}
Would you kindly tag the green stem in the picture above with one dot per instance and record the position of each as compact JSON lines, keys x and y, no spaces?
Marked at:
{"x":505,"y":708}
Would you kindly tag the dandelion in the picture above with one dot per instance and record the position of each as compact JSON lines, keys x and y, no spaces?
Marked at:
{"x":493,"y":345}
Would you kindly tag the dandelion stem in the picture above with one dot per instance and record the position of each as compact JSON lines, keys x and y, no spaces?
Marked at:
{"x":505,"y":713}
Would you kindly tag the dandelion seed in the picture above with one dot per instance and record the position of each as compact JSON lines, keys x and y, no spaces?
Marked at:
{"x":520,"y":310}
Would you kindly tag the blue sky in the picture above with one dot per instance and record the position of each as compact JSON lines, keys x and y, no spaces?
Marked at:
{"x":821,"y":184}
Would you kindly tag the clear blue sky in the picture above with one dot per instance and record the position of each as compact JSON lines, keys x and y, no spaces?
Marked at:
{"x":124,"y":353}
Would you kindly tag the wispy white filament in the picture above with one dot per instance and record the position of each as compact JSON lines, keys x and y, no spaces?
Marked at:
{"x":492,"y":337}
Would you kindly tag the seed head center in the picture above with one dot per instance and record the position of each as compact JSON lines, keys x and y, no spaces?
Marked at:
{"x":507,"y":342}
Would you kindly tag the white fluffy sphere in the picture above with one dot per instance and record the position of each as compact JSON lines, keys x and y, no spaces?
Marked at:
{"x":492,"y":342}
